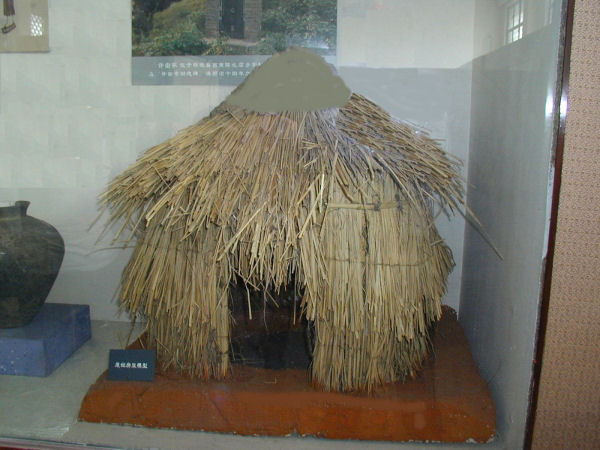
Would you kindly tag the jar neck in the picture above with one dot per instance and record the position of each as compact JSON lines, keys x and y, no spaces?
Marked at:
{"x":19,"y":209}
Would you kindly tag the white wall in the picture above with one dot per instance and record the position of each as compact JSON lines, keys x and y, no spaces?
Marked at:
{"x":510,"y":176}
{"x":405,"y":33}
{"x":488,"y":32}
{"x":70,"y":121}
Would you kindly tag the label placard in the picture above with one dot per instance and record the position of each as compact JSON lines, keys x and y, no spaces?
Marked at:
{"x":131,"y":365}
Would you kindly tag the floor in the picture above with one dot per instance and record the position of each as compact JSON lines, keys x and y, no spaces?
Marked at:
{"x":42,"y":412}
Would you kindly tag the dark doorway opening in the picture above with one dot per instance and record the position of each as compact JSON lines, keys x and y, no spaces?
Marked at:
{"x":232,"y":18}
{"x":277,"y":336}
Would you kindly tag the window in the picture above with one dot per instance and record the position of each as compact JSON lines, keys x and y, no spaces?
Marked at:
{"x":514,"y":21}
{"x":37,"y":25}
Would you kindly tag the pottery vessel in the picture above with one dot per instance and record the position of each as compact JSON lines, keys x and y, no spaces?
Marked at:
{"x":31,"y":252}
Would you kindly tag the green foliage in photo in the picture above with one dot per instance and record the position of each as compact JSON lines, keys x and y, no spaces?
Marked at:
{"x":177,"y":27}
{"x":168,"y":28}
{"x":306,"y":23}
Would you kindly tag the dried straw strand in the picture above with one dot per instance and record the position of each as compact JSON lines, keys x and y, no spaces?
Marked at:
{"x":338,"y":201}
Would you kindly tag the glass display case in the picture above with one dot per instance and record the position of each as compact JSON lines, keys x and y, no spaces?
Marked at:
{"x":480,"y":77}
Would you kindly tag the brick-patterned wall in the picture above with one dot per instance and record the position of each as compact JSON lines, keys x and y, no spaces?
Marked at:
{"x":568,"y":413}
{"x":212,"y":18}
{"x":252,"y":19}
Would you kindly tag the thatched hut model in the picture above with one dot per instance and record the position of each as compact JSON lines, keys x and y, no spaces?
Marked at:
{"x":292,"y":178}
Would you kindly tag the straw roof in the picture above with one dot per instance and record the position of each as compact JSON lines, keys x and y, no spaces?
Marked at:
{"x":338,"y":200}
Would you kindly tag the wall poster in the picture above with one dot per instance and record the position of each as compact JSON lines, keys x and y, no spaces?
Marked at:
{"x":24,"y":26}
{"x":187,"y":42}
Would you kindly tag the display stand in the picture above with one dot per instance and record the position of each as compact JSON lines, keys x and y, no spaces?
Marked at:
{"x":447,"y":402}
{"x":41,"y":346}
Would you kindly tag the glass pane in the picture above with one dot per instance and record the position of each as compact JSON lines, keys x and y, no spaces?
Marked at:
{"x":72,"y":121}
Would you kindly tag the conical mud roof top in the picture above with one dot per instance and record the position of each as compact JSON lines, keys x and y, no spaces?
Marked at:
{"x":293,"y":80}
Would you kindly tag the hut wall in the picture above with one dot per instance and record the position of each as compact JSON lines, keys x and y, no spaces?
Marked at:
{"x":440,"y":100}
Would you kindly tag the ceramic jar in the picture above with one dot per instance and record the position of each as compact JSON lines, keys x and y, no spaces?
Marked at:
{"x":31,"y":252}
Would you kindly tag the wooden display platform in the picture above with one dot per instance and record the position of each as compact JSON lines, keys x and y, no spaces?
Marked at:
{"x":447,"y":402}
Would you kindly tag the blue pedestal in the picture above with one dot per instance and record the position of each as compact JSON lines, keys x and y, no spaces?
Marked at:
{"x":40,"y":347}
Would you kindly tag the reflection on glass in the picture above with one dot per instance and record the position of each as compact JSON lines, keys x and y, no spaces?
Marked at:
{"x":37,"y":25}
{"x":514,"y":16}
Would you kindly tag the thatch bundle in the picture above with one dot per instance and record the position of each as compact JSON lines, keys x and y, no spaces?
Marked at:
{"x":339,"y":201}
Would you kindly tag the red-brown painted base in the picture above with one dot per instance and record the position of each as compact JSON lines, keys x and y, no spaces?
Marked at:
{"x":447,"y":402}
